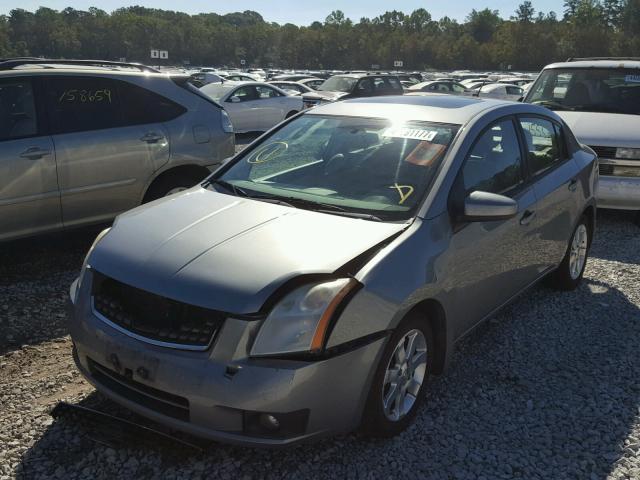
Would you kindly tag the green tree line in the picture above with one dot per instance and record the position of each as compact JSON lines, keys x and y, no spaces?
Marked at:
{"x":526,"y":41}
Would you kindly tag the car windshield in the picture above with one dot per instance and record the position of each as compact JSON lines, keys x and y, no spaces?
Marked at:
{"x":609,"y":90}
{"x":338,"y":84}
{"x":351,"y":166}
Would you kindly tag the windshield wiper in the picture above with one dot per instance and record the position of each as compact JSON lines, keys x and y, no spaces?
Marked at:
{"x":364,"y":216}
{"x":551,"y":105}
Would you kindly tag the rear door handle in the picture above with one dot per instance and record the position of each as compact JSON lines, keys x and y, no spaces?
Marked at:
{"x":151,"y":137}
{"x":573,"y":184}
{"x":35,"y":153}
{"x":527,"y":217}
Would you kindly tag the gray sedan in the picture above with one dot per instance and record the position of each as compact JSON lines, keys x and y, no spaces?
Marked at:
{"x":313,"y":283}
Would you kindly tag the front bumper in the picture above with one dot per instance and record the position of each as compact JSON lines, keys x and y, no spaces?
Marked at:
{"x":619,"y":192}
{"x":220,"y":390}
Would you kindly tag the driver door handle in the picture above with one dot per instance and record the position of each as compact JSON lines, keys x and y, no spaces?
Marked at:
{"x":573,"y":185}
{"x":527,"y":217}
{"x":35,"y":153}
{"x":151,"y":137}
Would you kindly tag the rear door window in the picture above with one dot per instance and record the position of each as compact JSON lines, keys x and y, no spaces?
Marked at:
{"x":543,"y":144}
{"x":266,"y":92}
{"x":77,"y":104}
{"x":17,"y":109}
{"x":245,"y":94}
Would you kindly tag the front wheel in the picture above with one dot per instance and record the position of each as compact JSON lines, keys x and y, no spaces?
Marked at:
{"x":397,"y":390}
{"x":570,"y":272}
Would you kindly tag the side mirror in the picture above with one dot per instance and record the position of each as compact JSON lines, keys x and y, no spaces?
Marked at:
{"x":234,"y":99}
{"x":484,"y":206}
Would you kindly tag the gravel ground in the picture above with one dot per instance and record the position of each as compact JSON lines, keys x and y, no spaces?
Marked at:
{"x":548,"y":389}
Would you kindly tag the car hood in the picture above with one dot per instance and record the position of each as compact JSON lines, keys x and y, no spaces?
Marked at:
{"x":227,"y":253}
{"x":604,"y":129}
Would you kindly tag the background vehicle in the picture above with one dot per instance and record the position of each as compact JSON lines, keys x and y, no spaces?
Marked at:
{"x":501,"y":91}
{"x":452,"y":88}
{"x":312,"y":83}
{"x":342,"y":87}
{"x":295,"y":87}
{"x":83,"y":141}
{"x":383,"y":230}
{"x":600,"y":100}
{"x":253,"y":106}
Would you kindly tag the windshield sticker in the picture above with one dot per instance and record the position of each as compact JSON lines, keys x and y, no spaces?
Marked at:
{"x":410,"y":133}
{"x":404,"y":191}
{"x":268,"y":152}
{"x":632,"y":78}
{"x":425,"y":154}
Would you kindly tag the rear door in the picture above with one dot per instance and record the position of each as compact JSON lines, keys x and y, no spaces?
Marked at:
{"x":555,"y":182}
{"x":242,"y":107}
{"x":107,"y":146}
{"x":272,"y":106}
{"x":29,"y":195}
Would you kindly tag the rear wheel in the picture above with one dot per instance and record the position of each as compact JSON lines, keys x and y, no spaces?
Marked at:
{"x":398,"y":386}
{"x":570,"y":272}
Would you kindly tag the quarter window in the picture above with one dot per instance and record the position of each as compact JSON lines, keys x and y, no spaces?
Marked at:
{"x":142,"y":106}
{"x":494,"y":164}
{"x":543,"y":143}
{"x":17,"y":110}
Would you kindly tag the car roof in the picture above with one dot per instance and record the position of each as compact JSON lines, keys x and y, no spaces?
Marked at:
{"x":620,"y":63}
{"x":451,"y":109}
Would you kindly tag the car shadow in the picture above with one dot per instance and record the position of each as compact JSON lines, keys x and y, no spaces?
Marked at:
{"x":611,"y":226}
{"x":523,"y":399}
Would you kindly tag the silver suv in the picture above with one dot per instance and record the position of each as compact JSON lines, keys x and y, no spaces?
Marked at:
{"x":599,"y":98}
{"x":81,"y":141}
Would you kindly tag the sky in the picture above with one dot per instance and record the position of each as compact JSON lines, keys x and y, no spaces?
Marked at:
{"x":296,"y":11}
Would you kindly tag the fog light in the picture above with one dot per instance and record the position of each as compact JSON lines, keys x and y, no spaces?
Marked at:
{"x":269,"y":422}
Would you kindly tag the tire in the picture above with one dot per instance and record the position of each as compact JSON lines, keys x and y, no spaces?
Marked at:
{"x":170,"y":184}
{"x":569,"y":275}
{"x":290,"y":114}
{"x":378,"y":421}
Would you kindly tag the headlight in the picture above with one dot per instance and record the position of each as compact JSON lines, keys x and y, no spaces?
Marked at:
{"x":628,"y":153}
{"x":85,"y":264}
{"x":299,"y":322}
{"x":227,"y":126}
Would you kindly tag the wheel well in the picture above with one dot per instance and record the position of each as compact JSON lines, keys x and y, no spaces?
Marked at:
{"x":291,"y":113}
{"x":590,"y":213}
{"x":189,"y":171}
{"x":432,"y":312}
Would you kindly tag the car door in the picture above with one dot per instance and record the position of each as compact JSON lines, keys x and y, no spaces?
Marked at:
{"x":555,"y":182}
{"x":29,"y":194}
{"x":492,"y":261}
{"x":272,"y":105}
{"x":104,"y":158}
{"x":242,"y":106}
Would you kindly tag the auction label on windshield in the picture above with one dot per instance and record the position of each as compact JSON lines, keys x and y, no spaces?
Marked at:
{"x":632,"y":79}
{"x":411,"y":133}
